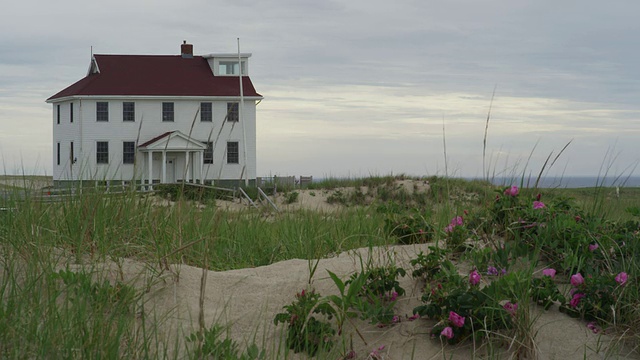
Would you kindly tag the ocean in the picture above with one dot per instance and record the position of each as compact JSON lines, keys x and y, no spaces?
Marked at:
{"x":571,"y":181}
{"x":550,"y":182}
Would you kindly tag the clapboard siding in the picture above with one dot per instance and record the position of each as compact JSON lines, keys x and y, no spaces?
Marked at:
{"x":85,"y":132}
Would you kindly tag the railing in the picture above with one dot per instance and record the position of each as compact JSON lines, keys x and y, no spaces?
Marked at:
{"x":247,"y":197}
{"x":263,"y":195}
{"x":59,"y":194}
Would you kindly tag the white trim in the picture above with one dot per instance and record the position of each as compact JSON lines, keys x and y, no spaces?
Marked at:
{"x":226,"y":55}
{"x":150,"y":97}
{"x":162,"y":144}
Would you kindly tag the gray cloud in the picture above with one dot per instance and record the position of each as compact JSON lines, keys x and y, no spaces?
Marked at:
{"x":363,"y":86}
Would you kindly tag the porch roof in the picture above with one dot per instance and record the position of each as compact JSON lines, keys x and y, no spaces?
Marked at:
{"x":172,"y":141}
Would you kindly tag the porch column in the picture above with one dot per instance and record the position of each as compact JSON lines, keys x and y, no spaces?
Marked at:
{"x":201,"y":162}
{"x":164,"y":166}
{"x":141,"y":173}
{"x":186,"y":166}
{"x":150,"y":161}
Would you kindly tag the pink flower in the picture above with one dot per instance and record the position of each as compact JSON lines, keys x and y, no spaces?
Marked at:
{"x":512,"y":191}
{"x":394,"y":296}
{"x":549,"y":272}
{"x":538,"y":205}
{"x":577,"y":280}
{"x":474,"y":278}
{"x":511,"y":308}
{"x":622,"y":278}
{"x":447,"y":332}
{"x":414,"y":317}
{"x":593,"y":327}
{"x":457,"y":221}
{"x":576,"y":299}
{"x":456,"y":320}
{"x":396,"y":319}
{"x":593,"y":247}
{"x":573,"y":291}
{"x":491,"y":270}
{"x":448,"y":228}
{"x":375,"y":354}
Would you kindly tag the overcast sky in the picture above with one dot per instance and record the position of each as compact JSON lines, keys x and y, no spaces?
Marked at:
{"x":353,"y":88}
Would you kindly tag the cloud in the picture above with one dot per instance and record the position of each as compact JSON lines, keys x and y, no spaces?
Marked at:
{"x":363,"y":85}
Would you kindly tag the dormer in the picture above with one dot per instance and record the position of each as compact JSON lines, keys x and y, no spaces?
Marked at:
{"x":227,"y":64}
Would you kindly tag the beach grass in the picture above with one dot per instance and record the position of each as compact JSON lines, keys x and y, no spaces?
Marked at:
{"x":55,"y":302}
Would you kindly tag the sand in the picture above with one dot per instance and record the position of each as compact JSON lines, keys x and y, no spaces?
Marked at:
{"x":248,"y":299}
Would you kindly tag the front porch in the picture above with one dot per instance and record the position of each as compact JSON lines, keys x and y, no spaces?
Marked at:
{"x":170,"y":158}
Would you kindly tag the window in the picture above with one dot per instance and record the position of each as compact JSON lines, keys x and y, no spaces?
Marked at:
{"x":58,"y":153}
{"x":232,"y":111}
{"x":128,"y":111}
{"x":102,"y":111}
{"x":71,"y":157}
{"x":128,"y":152}
{"x":102,"y":152}
{"x":206,"y":112}
{"x":70,"y":112}
{"x":233,"y":152}
{"x":167,"y":111}
{"x":58,"y":113}
{"x":230,"y":68}
{"x":208,"y":152}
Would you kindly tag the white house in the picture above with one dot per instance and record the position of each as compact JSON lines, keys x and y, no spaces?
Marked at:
{"x":158,"y":119}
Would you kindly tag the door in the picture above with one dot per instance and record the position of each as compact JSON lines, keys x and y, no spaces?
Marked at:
{"x":171,"y":169}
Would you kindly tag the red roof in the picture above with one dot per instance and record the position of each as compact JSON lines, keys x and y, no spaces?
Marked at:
{"x":156,"y":75}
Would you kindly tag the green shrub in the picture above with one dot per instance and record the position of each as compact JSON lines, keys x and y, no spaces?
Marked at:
{"x":291,"y":197}
{"x":305,"y":332}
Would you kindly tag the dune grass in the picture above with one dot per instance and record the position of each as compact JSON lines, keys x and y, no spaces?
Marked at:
{"x":49,"y":307}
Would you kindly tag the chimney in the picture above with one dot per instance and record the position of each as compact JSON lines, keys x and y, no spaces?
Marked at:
{"x":186,"y":50}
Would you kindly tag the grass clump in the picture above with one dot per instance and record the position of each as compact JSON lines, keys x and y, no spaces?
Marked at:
{"x":176,"y":192}
{"x":213,"y":344}
{"x":65,"y":314}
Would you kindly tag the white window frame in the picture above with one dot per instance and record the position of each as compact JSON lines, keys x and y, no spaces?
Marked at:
{"x":237,"y":153}
{"x":99,"y":159}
